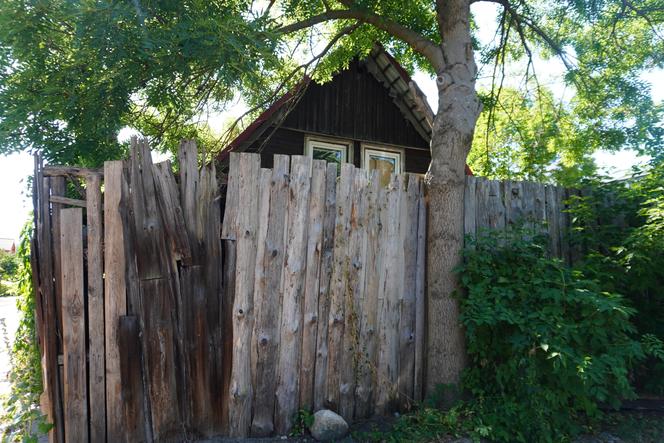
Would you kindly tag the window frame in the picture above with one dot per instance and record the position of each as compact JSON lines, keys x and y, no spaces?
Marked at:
{"x":399,"y":154}
{"x":333,"y":144}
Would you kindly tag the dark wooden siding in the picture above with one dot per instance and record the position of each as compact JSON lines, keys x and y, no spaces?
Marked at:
{"x":355,"y":106}
{"x":290,"y":142}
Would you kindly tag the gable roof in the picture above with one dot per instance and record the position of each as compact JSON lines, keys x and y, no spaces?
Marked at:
{"x":407,"y":96}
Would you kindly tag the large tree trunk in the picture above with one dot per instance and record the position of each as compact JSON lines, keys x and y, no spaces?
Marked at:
{"x":453,"y":128}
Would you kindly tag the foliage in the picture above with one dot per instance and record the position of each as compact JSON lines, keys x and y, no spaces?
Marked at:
{"x":303,"y":420}
{"x":8,"y":266}
{"x":22,"y":414}
{"x":523,"y":136}
{"x":620,"y":225}
{"x":75,"y":73}
{"x":547,"y":345}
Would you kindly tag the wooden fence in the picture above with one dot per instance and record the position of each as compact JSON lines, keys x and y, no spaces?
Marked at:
{"x":157,"y":323}
{"x":493,"y":204}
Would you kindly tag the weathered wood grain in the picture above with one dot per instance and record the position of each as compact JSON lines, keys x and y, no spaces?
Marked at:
{"x":326,"y":259}
{"x":290,"y":345}
{"x":229,"y":227}
{"x":132,"y":380}
{"x":311,"y":285}
{"x":408,"y":247}
{"x":95,"y":296}
{"x":513,"y":198}
{"x":115,"y":303}
{"x":356,"y":268}
{"x":420,"y":302}
{"x":553,"y":220}
{"x":241,"y":395}
{"x":266,"y":331}
{"x":73,"y":326}
{"x":470,"y":206}
{"x":339,"y":284}
{"x":366,"y":353}
{"x":389,"y":299}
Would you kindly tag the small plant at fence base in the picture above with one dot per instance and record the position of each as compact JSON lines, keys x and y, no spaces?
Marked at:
{"x":547,"y":345}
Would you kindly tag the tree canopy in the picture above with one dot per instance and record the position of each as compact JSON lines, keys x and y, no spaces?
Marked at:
{"x":75,"y":73}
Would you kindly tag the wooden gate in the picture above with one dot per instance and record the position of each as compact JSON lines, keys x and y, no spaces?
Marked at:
{"x":148,"y":335}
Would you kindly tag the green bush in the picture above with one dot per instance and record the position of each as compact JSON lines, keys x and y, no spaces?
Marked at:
{"x":620,"y":227}
{"x":547,"y":346}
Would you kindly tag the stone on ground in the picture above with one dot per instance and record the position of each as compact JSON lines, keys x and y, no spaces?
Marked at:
{"x":328,"y":426}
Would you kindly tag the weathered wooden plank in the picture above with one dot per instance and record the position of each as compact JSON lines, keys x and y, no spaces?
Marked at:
{"x":491,"y":208}
{"x":513,"y":198}
{"x":157,"y":316}
{"x":326,"y":256}
{"x":173,"y":217}
{"x":290,"y":345}
{"x":266,"y":331}
{"x":73,"y":326}
{"x":553,"y":220}
{"x":228,"y":297}
{"x":470,"y":206}
{"x":95,"y":309}
{"x":368,"y":304}
{"x":420,"y":303}
{"x":57,"y":185}
{"x":68,"y":201}
{"x":229,"y":226}
{"x":240,"y":388}
{"x":408,"y":239}
{"x":132,"y":381}
{"x":115,"y":303}
{"x":389,"y":298}
{"x":259,"y":274}
{"x":311,"y":286}
{"x":339,"y":284}
{"x":354,"y":294}
{"x":66,"y":171}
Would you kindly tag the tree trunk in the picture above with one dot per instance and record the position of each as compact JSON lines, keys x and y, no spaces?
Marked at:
{"x":453,"y":128}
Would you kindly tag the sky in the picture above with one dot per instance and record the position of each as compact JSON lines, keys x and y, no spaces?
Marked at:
{"x":15,"y":168}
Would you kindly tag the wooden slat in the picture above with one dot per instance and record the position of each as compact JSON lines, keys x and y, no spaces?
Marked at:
{"x":513,"y":198}
{"x":228,"y":297}
{"x":391,"y":287}
{"x":368,"y":304}
{"x":69,"y":201}
{"x":266,"y":330}
{"x":229,"y":227}
{"x":339,"y":284}
{"x":95,"y":310}
{"x":420,"y":302}
{"x":240,"y":395}
{"x":408,"y":239}
{"x":311,"y":286}
{"x":115,"y":303}
{"x":327,"y":251}
{"x":470,"y":206}
{"x":356,"y":267}
{"x":132,"y":382}
{"x":66,"y":171}
{"x":563,"y":231}
{"x":290,"y":346}
{"x":73,"y":326}
{"x":553,"y":220}
{"x":57,"y":185}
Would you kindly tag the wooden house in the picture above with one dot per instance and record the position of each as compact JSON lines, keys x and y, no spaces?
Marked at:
{"x":371,"y":114}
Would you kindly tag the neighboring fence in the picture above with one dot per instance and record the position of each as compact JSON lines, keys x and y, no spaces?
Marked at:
{"x":147,"y":335}
{"x":493,"y":204}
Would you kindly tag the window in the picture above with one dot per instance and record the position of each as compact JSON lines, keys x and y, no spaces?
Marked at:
{"x":386,"y":160}
{"x":329,"y":150}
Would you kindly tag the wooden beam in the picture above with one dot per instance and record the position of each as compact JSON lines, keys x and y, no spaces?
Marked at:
{"x":66,"y":171}
{"x":69,"y":201}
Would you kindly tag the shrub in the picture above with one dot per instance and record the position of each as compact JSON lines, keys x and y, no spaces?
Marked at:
{"x":547,"y":345}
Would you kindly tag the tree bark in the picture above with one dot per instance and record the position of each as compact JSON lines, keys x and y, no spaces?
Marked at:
{"x":453,"y":128}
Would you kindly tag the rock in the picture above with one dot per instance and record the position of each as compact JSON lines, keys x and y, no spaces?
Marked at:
{"x":328,"y":426}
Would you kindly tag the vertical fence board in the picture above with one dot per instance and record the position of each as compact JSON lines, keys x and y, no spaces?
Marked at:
{"x":563,"y":224}
{"x":240,"y":395}
{"x":73,"y":322}
{"x":57,"y":185}
{"x":420,"y":286}
{"x":326,"y":260}
{"x":132,"y":380}
{"x":339,"y":284}
{"x":408,"y":238}
{"x":95,"y":310}
{"x":114,"y":295}
{"x":513,"y":198}
{"x":311,"y":285}
{"x":290,"y":346}
{"x":356,"y":268}
{"x":553,"y":220}
{"x":266,"y":329}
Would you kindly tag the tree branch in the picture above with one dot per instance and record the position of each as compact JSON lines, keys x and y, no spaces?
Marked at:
{"x":419,"y":43}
